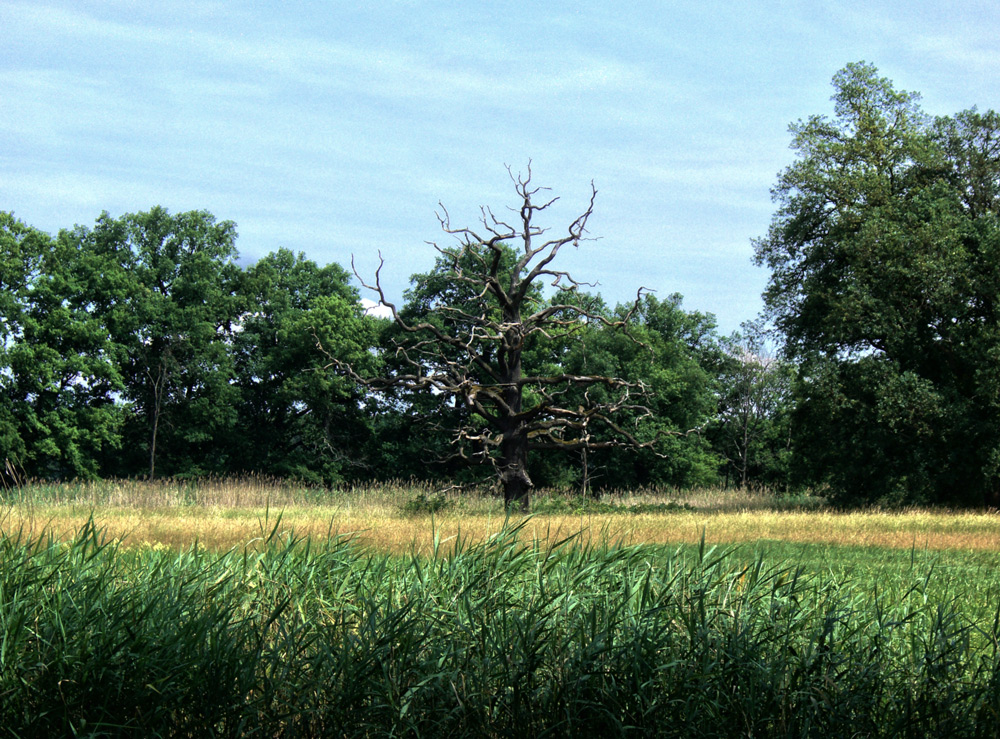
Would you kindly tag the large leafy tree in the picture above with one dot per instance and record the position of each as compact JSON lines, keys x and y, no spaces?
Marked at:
{"x":471,"y":342}
{"x":177,"y":301}
{"x":60,"y":374}
{"x":21,"y":248}
{"x":885,"y":260}
{"x":296,"y":418}
{"x":416,"y":429}
{"x":665,"y":354}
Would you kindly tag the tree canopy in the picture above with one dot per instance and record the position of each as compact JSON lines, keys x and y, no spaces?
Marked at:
{"x":140,"y":347}
{"x":885,"y":277}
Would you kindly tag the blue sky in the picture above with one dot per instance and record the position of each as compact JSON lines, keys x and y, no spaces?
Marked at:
{"x":335,"y":129}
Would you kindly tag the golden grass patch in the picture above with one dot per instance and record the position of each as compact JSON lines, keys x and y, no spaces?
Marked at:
{"x":385,"y":528}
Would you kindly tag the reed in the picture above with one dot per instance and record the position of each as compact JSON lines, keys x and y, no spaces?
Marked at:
{"x":512,"y":634}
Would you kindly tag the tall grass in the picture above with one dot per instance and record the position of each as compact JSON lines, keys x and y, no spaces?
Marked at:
{"x":416,"y":496}
{"x":248,"y":491}
{"x":501,"y":637}
{"x":396,"y":519}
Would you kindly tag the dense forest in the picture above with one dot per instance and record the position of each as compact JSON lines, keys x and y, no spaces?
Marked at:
{"x":141,"y":347}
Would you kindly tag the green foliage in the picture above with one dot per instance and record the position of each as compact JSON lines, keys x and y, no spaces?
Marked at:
{"x":59,"y":372}
{"x":426,"y":503}
{"x":415,"y":428}
{"x":296,"y":417}
{"x":499,"y":638}
{"x":145,"y":329}
{"x":884,"y":255}
{"x":171,"y":313}
{"x":665,"y":355}
{"x":751,"y":430}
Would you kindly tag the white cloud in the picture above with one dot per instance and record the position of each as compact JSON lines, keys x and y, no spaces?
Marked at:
{"x":377,"y":310}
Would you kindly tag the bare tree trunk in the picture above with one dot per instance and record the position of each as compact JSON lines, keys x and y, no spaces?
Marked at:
{"x":514,"y":439}
{"x":152,"y":446}
{"x":514,"y":471}
{"x":158,"y":383}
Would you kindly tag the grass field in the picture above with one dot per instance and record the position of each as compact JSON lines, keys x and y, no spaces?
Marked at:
{"x":402,"y":518}
{"x":259,"y":609}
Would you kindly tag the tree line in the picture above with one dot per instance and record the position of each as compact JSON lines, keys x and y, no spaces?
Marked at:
{"x":141,"y":347}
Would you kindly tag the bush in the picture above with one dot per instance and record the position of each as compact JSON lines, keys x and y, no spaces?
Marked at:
{"x":577,"y":505}
{"x":423,"y":503}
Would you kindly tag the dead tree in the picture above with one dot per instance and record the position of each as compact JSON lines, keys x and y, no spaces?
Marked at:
{"x":471,"y":352}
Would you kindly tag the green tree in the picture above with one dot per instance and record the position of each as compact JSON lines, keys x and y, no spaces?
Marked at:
{"x":295,"y":417}
{"x":751,"y":430}
{"x":60,"y":375}
{"x":416,"y":429}
{"x":175,"y":310}
{"x":664,"y":355}
{"x":21,"y":248}
{"x":885,"y":270}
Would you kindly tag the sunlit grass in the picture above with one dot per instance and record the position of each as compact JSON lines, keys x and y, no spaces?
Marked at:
{"x":222,"y":514}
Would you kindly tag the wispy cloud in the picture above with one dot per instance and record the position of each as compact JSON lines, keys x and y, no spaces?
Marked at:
{"x":336,"y":128}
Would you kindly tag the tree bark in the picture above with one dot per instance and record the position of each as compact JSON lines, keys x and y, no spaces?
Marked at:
{"x":514,"y":471}
{"x":514,"y":435}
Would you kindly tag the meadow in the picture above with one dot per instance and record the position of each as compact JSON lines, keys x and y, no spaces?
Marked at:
{"x":251,"y":608}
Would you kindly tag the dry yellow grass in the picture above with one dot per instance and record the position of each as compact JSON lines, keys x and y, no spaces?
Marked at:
{"x":386,"y":528}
